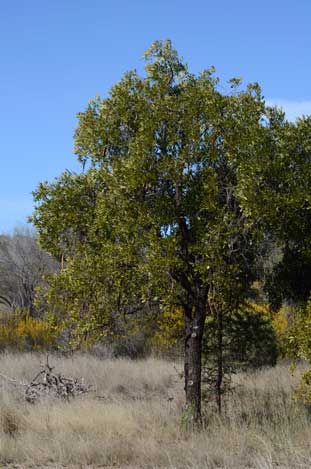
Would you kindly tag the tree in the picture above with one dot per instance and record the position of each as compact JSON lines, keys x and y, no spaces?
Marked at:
{"x":156,"y":220}
{"x":277,"y":191}
{"x":22,"y":267}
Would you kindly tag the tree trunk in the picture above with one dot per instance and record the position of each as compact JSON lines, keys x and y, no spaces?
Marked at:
{"x":194,"y":328}
{"x":219,"y":359}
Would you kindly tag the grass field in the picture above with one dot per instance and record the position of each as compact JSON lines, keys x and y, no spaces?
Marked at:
{"x":133,"y":418}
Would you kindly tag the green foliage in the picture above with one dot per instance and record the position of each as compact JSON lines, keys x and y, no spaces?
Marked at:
{"x":248,"y":341}
{"x":299,"y":333}
{"x":157,"y":215}
{"x":290,"y":279}
{"x":299,"y":347}
{"x":282,"y":323}
{"x":253,"y":342}
{"x":277,"y":191}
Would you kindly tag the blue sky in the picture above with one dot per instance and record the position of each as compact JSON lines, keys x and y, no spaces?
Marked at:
{"x":57,"y":54}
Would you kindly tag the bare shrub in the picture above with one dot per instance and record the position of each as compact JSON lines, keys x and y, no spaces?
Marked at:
{"x":22,"y":267}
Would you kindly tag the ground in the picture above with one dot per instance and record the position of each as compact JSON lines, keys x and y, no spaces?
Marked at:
{"x":134,"y":418}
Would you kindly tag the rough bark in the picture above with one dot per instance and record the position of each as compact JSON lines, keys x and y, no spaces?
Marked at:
{"x":219,"y":359}
{"x":194,"y":328}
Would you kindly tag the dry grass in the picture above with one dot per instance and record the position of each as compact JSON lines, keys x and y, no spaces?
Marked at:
{"x":137,"y":421}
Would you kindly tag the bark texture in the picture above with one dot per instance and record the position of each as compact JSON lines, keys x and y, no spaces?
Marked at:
{"x":194,"y":325}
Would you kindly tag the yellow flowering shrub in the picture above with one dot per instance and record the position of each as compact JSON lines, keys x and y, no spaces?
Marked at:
{"x":260,"y":308}
{"x":281,"y":323}
{"x":19,"y":331}
{"x":170,"y":328}
{"x":299,"y":339}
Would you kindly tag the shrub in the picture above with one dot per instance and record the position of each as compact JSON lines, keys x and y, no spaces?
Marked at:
{"x":235,"y":341}
{"x":19,"y":331}
{"x":299,"y":347}
{"x":282,"y":321}
{"x":132,"y":346}
{"x":170,"y":329}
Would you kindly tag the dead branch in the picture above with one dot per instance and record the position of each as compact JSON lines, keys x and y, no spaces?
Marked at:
{"x":47,"y":383}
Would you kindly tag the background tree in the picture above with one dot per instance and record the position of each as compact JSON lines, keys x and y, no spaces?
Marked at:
{"x":23,"y":265}
{"x":277,"y":191}
{"x":156,"y":220}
